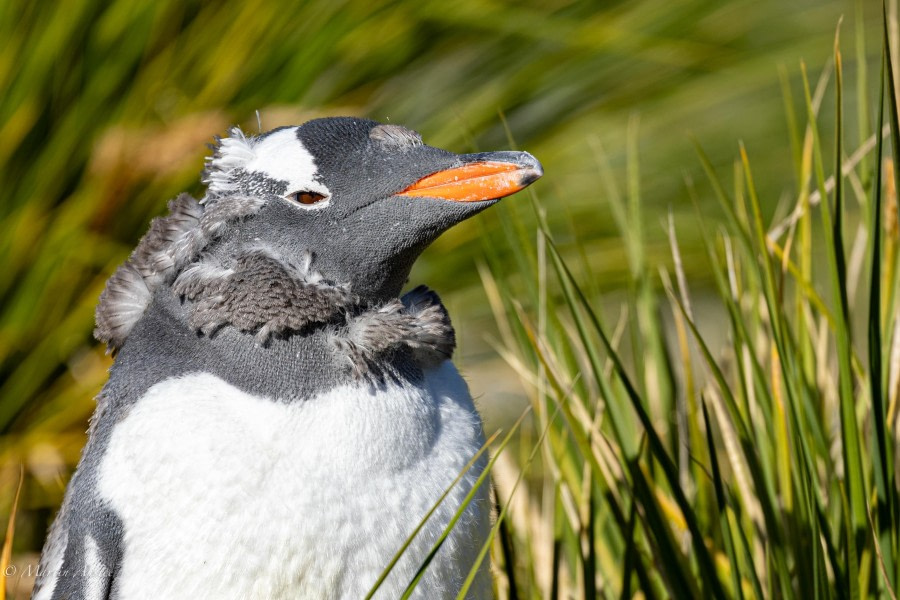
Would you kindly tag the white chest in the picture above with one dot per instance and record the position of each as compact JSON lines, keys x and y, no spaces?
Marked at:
{"x":227,"y":495}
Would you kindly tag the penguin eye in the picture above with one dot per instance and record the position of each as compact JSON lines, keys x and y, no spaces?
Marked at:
{"x":306,"y":198}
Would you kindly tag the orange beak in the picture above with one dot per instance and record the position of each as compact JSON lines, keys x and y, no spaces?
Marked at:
{"x":480,"y":180}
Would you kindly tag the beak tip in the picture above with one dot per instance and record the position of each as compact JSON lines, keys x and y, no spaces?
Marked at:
{"x":531,"y":169}
{"x":529,"y":176}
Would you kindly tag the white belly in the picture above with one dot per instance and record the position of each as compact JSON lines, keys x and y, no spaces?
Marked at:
{"x":227,"y":495}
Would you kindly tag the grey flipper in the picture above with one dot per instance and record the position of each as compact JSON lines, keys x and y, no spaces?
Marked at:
{"x":52,"y":555}
{"x":84,"y":545}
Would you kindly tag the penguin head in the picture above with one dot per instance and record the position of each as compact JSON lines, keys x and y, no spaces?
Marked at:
{"x":364,"y":198}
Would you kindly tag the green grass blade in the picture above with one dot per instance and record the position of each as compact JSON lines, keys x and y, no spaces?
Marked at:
{"x":724,"y":526}
{"x":707,"y":567}
{"x":722,"y":196}
{"x":507,"y":548}
{"x":855,"y":518}
{"x":882,"y":451}
{"x":674,"y":570}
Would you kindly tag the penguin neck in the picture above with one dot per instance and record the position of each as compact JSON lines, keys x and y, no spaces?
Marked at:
{"x":164,"y":344}
{"x":394,"y":342}
{"x":373,"y":279}
{"x":378,"y":288}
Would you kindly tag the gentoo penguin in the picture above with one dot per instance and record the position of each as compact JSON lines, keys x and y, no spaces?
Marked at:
{"x":278,"y":419}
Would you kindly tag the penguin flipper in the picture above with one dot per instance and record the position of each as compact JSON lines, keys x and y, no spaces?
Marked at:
{"x":52,"y":557}
{"x":81,"y":555}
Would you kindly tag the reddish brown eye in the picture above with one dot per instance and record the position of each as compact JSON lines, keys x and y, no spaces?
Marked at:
{"x":307,"y":197}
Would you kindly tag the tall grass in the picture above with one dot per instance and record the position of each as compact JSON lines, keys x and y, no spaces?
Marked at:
{"x":756,"y":458}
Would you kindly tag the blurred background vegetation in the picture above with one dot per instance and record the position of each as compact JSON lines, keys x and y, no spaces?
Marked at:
{"x":107,"y":107}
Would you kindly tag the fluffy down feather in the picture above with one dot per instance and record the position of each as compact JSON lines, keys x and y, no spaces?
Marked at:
{"x":172,"y":242}
{"x":122,"y":303}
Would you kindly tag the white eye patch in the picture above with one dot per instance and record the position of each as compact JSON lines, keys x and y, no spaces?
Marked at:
{"x":282,"y":156}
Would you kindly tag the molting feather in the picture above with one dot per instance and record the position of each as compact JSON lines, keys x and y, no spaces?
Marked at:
{"x":172,"y":242}
{"x":417,"y":321}
{"x":122,"y":303}
{"x":230,"y":154}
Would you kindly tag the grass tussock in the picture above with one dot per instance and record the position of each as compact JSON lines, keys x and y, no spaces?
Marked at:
{"x":753,"y":458}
